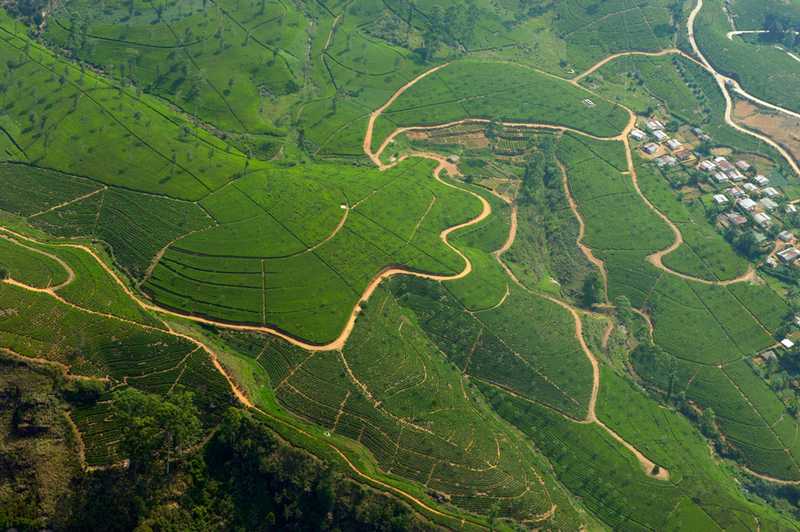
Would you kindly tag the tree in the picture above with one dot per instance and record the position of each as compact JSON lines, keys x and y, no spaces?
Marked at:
{"x":155,"y":429}
{"x":624,"y":309}
{"x":747,"y":245}
{"x":592,"y":292}
{"x":708,"y":423}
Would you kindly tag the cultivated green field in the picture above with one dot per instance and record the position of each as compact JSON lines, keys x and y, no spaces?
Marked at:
{"x":186,"y":205}
{"x":768,"y":72}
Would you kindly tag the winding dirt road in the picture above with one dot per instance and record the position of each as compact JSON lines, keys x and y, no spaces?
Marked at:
{"x":650,"y":468}
{"x":373,"y":117}
{"x":67,"y":268}
{"x":610,"y":58}
{"x":768,"y":478}
{"x":731,"y":34}
{"x":656,"y":258}
{"x":586,"y":250}
{"x":724,"y":82}
{"x":341,"y":340}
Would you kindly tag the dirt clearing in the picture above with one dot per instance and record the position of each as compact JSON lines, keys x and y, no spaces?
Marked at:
{"x":783,"y":128}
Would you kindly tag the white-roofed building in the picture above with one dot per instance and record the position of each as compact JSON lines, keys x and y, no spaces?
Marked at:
{"x":674,"y":144}
{"x":719,"y":177}
{"x":767,"y":204}
{"x":638,"y":134}
{"x":746,"y":204}
{"x":735,"y":175}
{"x":707,"y":166}
{"x":763,"y":219}
{"x":650,"y":148}
{"x":666,"y":160}
{"x":735,"y":192}
{"x":761,"y":181}
{"x":789,"y":255}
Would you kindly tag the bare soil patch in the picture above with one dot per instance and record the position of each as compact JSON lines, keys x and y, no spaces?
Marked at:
{"x":783,"y":128}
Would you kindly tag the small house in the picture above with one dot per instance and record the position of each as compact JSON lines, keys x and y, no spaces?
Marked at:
{"x":697,"y":131}
{"x":791,"y":209}
{"x":771,"y":192}
{"x":786,"y":236}
{"x":735,"y":175}
{"x":650,"y":148}
{"x":763,"y":219}
{"x":704,"y":137}
{"x":707,"y":166}
{"x":660,"y":135}
{"x":720,"y":199}
{"x":654,"y":125}
{"x":750,"y":188}
{"x":666,"y":160}
{"x":735,"y":193}
{"x":720,"y":178}
{"x":674,"y":144}
{"x":744,"y":166}
{"x":683,"y":155}
{"x":746,"y":204}
{"x":787,"y":344}
{"x":761,"y":181}
{"x":735,"y":219}
{"x":588,"y":103}
{"x":767,"y":204}
{"x":789,"y":255}
{"x":723,"y":164}
{"x":769,"y":356}
{"x":638,"y":135}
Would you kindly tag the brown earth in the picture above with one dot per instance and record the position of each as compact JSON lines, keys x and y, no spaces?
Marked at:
{"x":783,"y":128}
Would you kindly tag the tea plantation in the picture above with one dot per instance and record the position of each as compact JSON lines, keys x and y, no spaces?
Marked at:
{"x":415,"y":252}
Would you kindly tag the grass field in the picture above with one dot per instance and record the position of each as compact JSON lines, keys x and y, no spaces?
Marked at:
{"x":304,"y":271}
{"x":611,"y":483}
{"x":31,"y":265}
{"x":763,"y":70}
{"x":211,"y":155}
{"x":684,"y":90}
{"x":421,"y":420}
{"x":95,"y":331}
{"x":705,"y":253}
{"x":500,"y":91}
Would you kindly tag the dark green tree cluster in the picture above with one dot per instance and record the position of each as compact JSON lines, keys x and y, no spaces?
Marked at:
{"x":781,"y":29}
{"x":243,"y":478}
{"x":28,"y":10}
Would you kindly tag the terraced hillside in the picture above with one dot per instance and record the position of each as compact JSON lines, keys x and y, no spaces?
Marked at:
{"x":441,"y":247}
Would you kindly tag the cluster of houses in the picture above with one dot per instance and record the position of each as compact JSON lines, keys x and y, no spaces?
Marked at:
{"x":668,"y":151}
{"x":744,"y":198}
{"x":750,"y":195}
{"x":750,"y":198}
